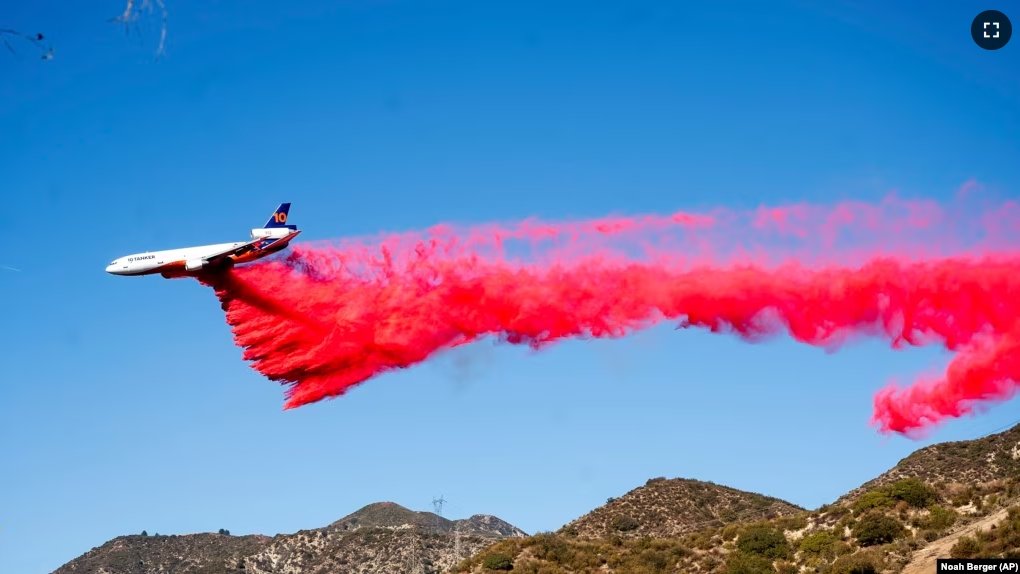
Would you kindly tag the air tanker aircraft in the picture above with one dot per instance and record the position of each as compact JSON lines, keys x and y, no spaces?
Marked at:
{"x":191,"y":261}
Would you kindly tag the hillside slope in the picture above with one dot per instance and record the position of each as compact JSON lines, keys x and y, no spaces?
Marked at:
{"x":923,"y":560}
{"x":968,"y":462}
{"x":921,"y":508}
{"x":671,"y":507}
{"x":926,"y":506}
{"x":186,"y":554}
{"x":380,"y":538}
{"x":392,"y":515}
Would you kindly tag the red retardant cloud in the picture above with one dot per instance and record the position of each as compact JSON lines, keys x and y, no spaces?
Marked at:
{"x":327,"y":317}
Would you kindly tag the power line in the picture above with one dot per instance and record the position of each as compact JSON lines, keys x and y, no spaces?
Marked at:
{"x":456,"y":542}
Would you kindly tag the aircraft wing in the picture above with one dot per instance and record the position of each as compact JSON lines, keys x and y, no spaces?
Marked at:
{"x":238,"y":251}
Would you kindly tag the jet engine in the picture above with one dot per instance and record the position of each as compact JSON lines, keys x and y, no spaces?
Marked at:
{"x":270,"y":233}
{"x":193,"y":264}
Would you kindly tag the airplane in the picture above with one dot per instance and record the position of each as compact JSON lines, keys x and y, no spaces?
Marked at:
{"x":193,"y":261}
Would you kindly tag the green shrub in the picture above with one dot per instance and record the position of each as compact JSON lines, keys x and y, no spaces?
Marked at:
{"x":820,"y":543}
{"x":795,"y":522}
{"x":624,"y":523}
{"x":740,"y":563}
{"x":763,"y":540}
{"x":876,"y":528}
{"x":701,"y":540}
{"x":836,"y":511}
{"x":965,"y":547}
{"x":843,"y":548}
{"x":912,"y":491}
{"x":498,"y":562}
{"x":730,"y":531}
{"x":873,"y":499}
{"x":656,"y":560}
{"x":860,"y":563}
{"x":940,"y":518}
{"x":551,"y":547}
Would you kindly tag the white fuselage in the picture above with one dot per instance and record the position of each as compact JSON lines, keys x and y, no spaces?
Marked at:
{"x":152,"y":261}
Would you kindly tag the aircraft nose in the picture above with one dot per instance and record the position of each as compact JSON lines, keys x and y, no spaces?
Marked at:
{"x":112,"y":268}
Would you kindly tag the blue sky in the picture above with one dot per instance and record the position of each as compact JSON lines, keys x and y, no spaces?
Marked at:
{"x":125,"y":405}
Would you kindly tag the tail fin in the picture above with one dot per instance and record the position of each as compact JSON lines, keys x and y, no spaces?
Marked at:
{"x":279,"y":217}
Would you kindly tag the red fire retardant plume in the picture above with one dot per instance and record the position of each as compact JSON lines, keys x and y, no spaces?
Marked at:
{"x":324,"y":318}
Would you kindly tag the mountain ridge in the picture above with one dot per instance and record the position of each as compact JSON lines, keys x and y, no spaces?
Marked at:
{"x":672,"y":507}
{"x":976,"y":461}
{"x":937,"y":496}
{"x":962,"y":497}
{"x":382,"y":537}
{"x":392,"y":515}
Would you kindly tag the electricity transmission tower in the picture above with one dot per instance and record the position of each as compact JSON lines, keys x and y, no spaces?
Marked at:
{"x":438,"y":503}
{"x":456,"y":542}
{"x":415,"y":565}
